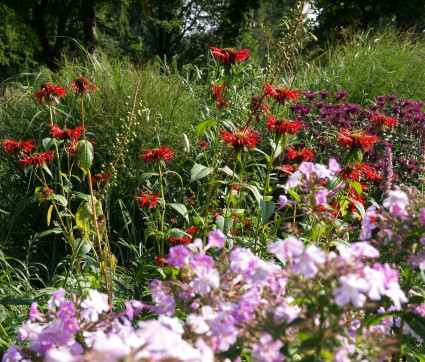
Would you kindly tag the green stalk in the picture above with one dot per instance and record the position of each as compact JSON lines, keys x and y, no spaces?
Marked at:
{"x":162,"y":215}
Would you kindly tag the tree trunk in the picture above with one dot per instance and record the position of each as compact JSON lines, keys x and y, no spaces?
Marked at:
{"x":90,"y":26}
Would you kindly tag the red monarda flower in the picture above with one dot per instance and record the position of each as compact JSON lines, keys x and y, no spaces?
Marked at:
{"x":160,"y":261}
{"x":50,"y":92}
{"x":281,"y":95}
{"x":162,"y":153}
{"x":301,"y":155}
{"x":81,"y":85}
{"x":283,"y":126}
{"x":65,"y":134}
{"x":99,"y":177}
{"x":244,"y":138}
{"x":287,"y":169}
{"x":356,"y":139}
{"x":203,"y":145}
{"x":146,"y":200}
{"x":12,"y":146}
{"x":37,"y":159}
{"x":184,"y":240}
{"x":383,"y":120}
{"x":218,"y":96}
{"x":230,"y":55}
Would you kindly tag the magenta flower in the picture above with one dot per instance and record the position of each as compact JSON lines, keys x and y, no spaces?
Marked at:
{"x":283,"y":200}
{"x":178,"y":255}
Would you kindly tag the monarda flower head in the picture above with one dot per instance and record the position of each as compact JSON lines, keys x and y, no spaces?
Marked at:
{"x":301,"y":155}
{"x":81,"y":85}
{"x":244,"y":138}
{"x":356,"y":139}
{"x":146,"y":200}
{"x":218,"y":95}
{"x":37,"y":159}
{"x":383,"y":120}
{"x":50,"y":92}
{"x":162,"y":153}
{"x":13,"y":147}
{"x":281,"y":95}
{"x":283,"y":126}
{"x":66,"y":134}
{"x":230,"y":55}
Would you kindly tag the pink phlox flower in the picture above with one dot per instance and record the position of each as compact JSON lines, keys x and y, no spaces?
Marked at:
{"x":164,"y":302}
{"x":260,"y":274}
{"x":306,"y":168}
{"x":197,"y":323}
{"x":196,"y":247}
{"x":35,"y":314}
{"x":216,"y":239}
{"x":267,"y":349}
{"x":293,"y":180}
{"x":306,"y":264}
{"x":396,"y":201}
{"x":392,"y":286}
{"x":57,"y":297}
{"x":368,"y":223}
{"x":178,"y":255}
{"x":110,"y":347}
{"x":287,"y":249}
{"x":344,"y":351}
{"x":285,"y":312}
{"x":351,"y":290}
{"x":333,"y":165}
{"x":206,"y":280}
{"x":201,"y":262}
{"x":94,"y":305}
{"x":322,"y":171}
{"x":283,"y":200}
{"x":422,"y":216}
{"x":417,"y":261}
{"x":363,"y":249}
{"x":241,"y":259}
{"x":321,"y":196}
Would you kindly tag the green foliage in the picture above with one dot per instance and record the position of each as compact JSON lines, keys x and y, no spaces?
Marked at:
{"x":368,"y":64}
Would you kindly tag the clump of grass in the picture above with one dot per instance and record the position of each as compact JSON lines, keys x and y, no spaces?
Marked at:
{"x":371,"y":63}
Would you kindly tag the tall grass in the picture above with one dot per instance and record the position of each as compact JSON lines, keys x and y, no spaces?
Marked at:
{"x":371,"y":63}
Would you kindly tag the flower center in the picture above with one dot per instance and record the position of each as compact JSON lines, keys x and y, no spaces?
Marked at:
{"x":241,"y":135}
{"x":282,"y":121}
{"x":81,"y":81}
{"x":230,"y":50}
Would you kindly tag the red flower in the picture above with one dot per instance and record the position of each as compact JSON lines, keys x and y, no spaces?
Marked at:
{"x":99,"y":177}
{"x":281,"y":95}
{"x":160,"y":261}
{"x":50,"y":92}
{"x":146,"y":200}
{"x":287,"y":168}
{"x":301,"y":155}
{"x":353,"y":139}
{"x":156,"y":154}
{"x":230,"y":55}
{"x":283,"y":126}
{"x":247,"y":224}
{"x":244,"y":138}
{"x":218,"y":96}
{"x":11,"y":146}
{"x":356,"y":197}
{"x":65,"y":134}
{"x":80,"y":85}
{"x":37,"y":159}
{"x":203,"y":145}
{"x":383,"y":120}
{"x":190,"y":201}
{"x":184,"y":240}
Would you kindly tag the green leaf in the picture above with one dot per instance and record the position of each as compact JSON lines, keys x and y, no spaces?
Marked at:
{"x":4,"y":212}
{"x":228,"y":171}
{"x":47,"y":143}
{"x":417,"y":323}
{"x":85,"y":150}
{"x":357,"y":187}
{"x":233,"y":211}
{"x":146,"y":176}
{"x":176,"y":233}
{"x":224,"y":224}
{"x":15,"y":300}
{"x":267,"y":209}
{"x":294,"y":195}
{"x":372,"y":320}
{"x":49,"y":214}
{"x":83,"y":219}
{"x":47,"y":232}
{"x":254,"y":190}
{"x":60,"y":199}
{"x":205,"y":125}
{"x":199,"y":171}
{"x":181,"y":209}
